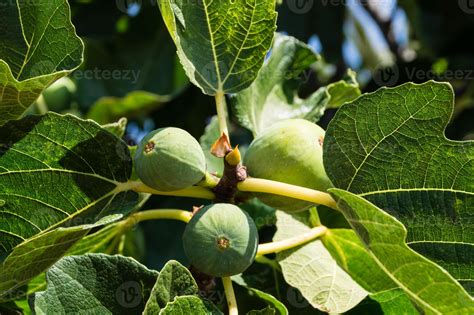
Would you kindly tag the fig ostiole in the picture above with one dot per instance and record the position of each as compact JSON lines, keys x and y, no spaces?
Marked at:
{"x":221,"y":240}
{"x":290,"y":151}
{"x":169,"y":159}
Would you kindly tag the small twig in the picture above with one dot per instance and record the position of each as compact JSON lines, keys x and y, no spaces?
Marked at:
{"x":234,"y":172}
{"x":227,"y":187}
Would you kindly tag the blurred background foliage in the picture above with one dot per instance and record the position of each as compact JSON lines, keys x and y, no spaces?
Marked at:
{"x":131,"y":70}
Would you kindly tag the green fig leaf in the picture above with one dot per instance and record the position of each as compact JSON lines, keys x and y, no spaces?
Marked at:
{"x":394,"y":302}
{"x":185,"y":305}
{"x":221,"y":44}
{"x":389,"y":147}
{"x":273,"y":304}
{"x":429,"y":286}
{"x":104,"y":239}
{"x":95,"y":284}
{"x":101,"y":241}
{"x":38,"y":45}
{"x":135,"y":104}
{"x":273,"y":96}
{"x":350,"y":253}
{"x":59,"y":171}
{"x":117,"y":128}
{"x":174,"y":280}
{"x":311,"y":269}
{"x":35,"y":255}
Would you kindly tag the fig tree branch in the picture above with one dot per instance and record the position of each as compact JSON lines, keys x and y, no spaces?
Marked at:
{"x":287,"y":190}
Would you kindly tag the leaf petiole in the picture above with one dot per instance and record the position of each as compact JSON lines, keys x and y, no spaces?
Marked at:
{"x":159,"y":214}
{"x":230,"y":296}
{"x":287,"y":190}
{"x":276,"y":247}
{"x":221,"y":107}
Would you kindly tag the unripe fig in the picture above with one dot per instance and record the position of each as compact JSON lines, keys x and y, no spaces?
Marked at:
{"x":59,"y":95}
{"x":221,"y":240}
{"x":291,"y":151}
{"x":170,"y":159}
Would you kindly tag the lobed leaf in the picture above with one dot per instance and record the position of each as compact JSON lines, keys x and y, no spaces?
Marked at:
{"x":38,"y":45}
{"x":427,"y":284}
{"x":95,"y":284}
{"x":389,"y":147}
{"x":59,"y":171}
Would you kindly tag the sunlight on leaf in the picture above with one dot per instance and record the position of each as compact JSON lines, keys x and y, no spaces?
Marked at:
{"x":427,"y":284}
{"x":221,"y":44}
{"x":95,"y":284}
{"x":38,"y":45}
{"x":59,"y":170}
{"x":311,"y":269}
{"x":389,"y":147}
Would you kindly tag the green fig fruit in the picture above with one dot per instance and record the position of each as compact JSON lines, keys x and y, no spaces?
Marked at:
{"x":221,"y":240}
{"x":59,"y":95}
{"x":170,"y":159}
{"x":290,"y":151}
